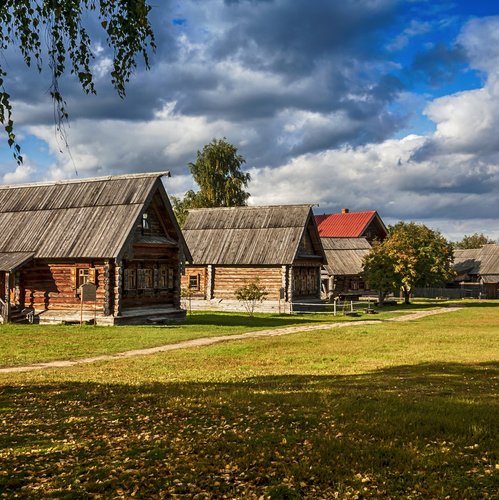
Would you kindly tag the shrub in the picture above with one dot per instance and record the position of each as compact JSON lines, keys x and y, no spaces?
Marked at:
{"x":250,"y":294}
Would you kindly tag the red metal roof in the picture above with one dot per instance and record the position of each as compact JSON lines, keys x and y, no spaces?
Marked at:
{"x":343,"y":225}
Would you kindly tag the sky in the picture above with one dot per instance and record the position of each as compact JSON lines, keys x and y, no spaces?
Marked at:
{"x":387,"y":105}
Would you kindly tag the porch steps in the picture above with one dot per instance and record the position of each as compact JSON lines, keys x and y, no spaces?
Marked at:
{"x":19,"y":315}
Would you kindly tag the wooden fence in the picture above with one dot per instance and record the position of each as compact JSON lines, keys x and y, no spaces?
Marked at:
{"x":476,"y":292}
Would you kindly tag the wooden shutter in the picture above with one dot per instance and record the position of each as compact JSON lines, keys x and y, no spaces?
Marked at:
{"x":92,"y":272}
{"x":73,"y":275}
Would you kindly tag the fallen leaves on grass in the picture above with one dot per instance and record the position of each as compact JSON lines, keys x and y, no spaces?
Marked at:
{"x":264,"y":438}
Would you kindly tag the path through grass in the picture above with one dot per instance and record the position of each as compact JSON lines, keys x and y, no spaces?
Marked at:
{"x":26,"y":344}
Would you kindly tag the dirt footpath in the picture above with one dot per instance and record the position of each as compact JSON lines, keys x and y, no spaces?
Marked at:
{"x":214,"y":340}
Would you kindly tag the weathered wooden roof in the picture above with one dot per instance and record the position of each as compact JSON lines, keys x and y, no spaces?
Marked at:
{"x":10,"y":261}
{"x":479,"y":261}
{"x":268,"y":235}
{"x":467,"y":261}
{"x":345,"y":255}
{"x":88,"y":218}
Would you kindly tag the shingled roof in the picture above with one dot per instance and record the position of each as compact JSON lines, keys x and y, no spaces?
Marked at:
{"x":265,"y":235}
{"x":345,"y":255}
{"x":88,"y":218}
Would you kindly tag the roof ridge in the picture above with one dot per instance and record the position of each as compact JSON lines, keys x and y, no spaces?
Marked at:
{"x":347,"y":213}
{"x":88,"y":179}
{"x":308,"y":205}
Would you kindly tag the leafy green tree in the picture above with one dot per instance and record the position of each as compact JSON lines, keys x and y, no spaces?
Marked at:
{"x":181,"y":206}
{"x":412,"y":255}
{"x":217,"y":172}
{"x":476,"y":240}
{"x":29,"y":24}
{"x":250,"y":295}
{"x":379,"y":271}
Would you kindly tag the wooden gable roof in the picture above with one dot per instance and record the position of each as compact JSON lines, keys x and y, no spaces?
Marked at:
{"x":88,"y":218}
{"x":467,"y":261}
{"x":10,"y":261}
{"x":345,"y":256}
{"x":483,"y":262}
{"x":266,"y":235}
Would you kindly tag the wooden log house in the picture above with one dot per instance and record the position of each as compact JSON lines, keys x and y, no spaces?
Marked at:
{"x":118,"y":232}
{"x":347,"y":238}
{"x":277,"y":245}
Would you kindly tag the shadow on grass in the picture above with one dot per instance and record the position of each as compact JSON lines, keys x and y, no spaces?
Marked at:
{"x":425,"y":430}
{"x":273,"y":320}
{"x":259,"y":321}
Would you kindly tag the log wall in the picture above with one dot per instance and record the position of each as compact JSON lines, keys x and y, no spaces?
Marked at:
{"x":228,"y":279}
{"x":201,"y":272}
{"x":154,"y":295}
{"x":151,"y":257}
{"x":49,"y":285}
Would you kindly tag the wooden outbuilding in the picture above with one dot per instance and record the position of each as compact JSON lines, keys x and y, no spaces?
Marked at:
{"x":118,"y":233}
{"x":477,"y":270}
{"x":342,"y":275}
{"x":277,"y":245}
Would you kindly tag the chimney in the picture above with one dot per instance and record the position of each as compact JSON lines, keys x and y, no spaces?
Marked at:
{"x":344,"y":210}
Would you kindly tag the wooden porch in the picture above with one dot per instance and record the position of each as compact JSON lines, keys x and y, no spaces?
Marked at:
{"x":132,"y":316}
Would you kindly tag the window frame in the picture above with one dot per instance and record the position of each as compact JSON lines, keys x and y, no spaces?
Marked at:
{"x":195,"y":277}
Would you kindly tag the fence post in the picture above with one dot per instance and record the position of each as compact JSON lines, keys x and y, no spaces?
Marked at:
{"x":351,"y":306}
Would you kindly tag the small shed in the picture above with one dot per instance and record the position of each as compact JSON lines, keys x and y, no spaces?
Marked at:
{"x":117,"y":232}
{"x":277,"y":245}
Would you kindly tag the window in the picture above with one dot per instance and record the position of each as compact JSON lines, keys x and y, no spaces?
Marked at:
{"x":83,"y":277}
{"x":163,"y":276}
{"x":130,"y":279}
{"x":144,"y":279}
{"x":145,"y":222}
{"x":194,"y":282}
{"x":170,"y":278}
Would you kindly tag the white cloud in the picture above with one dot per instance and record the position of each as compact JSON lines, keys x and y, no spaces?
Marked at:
{"x":113,"y":146}
{"x":415,"y":28}
{"x":22,"y":173}
{"x":480,"y":37}
{"x":298,"y":127}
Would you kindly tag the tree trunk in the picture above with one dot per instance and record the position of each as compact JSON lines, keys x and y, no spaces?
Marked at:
{"x":407,"y":295}
{"x":381,"y":297}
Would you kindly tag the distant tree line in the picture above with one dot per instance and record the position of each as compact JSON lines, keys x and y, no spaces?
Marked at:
{"x":476,"y":240}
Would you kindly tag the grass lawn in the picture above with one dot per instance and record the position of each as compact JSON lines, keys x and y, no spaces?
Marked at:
{"x":25,"y":344}
{"x":398,"y":410}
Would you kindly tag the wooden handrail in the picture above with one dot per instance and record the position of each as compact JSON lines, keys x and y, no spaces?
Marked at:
{"x":4,"y":310}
